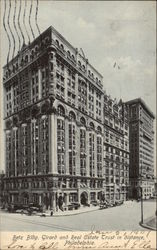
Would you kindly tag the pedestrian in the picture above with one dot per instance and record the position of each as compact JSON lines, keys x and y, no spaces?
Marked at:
{"x":51,"y":214}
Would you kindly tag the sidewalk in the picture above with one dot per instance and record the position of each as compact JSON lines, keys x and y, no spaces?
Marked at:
{"x":73,"y":212}
{"x":150,"y":223}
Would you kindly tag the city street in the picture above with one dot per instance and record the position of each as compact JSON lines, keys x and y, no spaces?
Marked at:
{"x":124,"y":217}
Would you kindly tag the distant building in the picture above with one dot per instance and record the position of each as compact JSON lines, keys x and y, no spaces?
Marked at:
{"x":141,"y":148}
{"x":2,"y":198}
{"x":66,"y":141}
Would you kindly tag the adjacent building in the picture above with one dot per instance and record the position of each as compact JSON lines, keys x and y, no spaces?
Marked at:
{"x":116,"y":149}
{"x":2,"y":201}
{"x":141,"y":149}
{"x":66,"y":140}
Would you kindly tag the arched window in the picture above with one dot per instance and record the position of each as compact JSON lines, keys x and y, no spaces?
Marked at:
{"x":26,"y":58}
{"x":79,"y":63}
{"x":14,"y":69}
{"x":73,"y":57}
{"x":91,"y":125}
{"x":72,"y":116}
{"x":99,"y":129}
{"x":83,"y":67}
{"x":36,"y":48}
{"x":62,"y":47}
{"x":32,"y":54}
{"x":61,"y":110}
{"x":47,"y":40}
{"x":83,"y":121}
{"x":57,"y":42}
{"x":68,"y":53}
{"x":42,"y":43}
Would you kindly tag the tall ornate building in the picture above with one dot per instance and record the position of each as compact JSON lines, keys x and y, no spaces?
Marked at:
{"x":116,"y":149}
{"x":56,"y":127}
{"x":141,"y":149}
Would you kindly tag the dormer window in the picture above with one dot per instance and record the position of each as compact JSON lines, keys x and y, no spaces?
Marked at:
{"x":68,"y":53}
{"x":47,"y":40}
{"x":83,"y":67}
{"x":26,"y":58}
{"x":36,"y":49}
{"x":73,"y":57}
{"x":32,"y":54}
{"x":57,"y":42}
{"x":79,"y":63}
{"x":14,"y":68}
{"x":62,"y":47}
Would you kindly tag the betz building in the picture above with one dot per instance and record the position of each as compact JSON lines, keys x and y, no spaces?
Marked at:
{"x":141,"y":149}
{"x":66,"y":140}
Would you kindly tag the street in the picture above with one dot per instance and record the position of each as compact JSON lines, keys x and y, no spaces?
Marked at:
{"x":124,"y":217}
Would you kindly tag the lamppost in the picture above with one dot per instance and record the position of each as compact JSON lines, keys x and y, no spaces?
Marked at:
{"x":141,"y":191}
{"x":141,"y":196}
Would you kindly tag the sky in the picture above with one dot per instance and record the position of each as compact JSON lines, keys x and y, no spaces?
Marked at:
{"x":108,"y":31}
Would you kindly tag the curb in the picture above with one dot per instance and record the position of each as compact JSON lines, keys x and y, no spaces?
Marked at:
{"x":148,"y":227}
{"x":81,"y":212}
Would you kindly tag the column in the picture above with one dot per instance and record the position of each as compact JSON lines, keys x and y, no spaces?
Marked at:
{"x":40,"y":200}
{"x":87,"y":152}
{"x":77,"y":150}
{"x":79,"y":192}
{"x":15,"y":129}
{"x":53,"y":201}
{"x":67,"y":146}
{"x":95,"y":153}
{"x":53,"y":144}
{"x":40,"y":84}
{"x":67,"y":199}
{"x":33,"y":144}
{"x":88,"y":185}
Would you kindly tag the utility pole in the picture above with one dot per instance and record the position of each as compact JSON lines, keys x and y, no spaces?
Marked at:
{"x":141,"y":205}
{"x":141,"y":191}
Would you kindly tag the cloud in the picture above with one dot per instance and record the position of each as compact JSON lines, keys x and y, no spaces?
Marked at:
{"x":84,"y":24}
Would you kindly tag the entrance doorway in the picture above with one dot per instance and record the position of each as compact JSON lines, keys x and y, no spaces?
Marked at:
{"x":84,"y":198}
{"x":25,"y":198}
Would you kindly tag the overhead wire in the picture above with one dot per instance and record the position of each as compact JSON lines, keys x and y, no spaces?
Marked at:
{"x":14,"y":34}
{"x":36,"y":16}
{"x":30,"y":13}
{"x":4,"y":24}
{"x":11,"y":30}
{"x":19,"y":24}
{"x":24,"y":15}
{"x":15,"y":25}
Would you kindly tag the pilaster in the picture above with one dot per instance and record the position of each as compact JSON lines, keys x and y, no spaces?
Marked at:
{"x":53,"y":144}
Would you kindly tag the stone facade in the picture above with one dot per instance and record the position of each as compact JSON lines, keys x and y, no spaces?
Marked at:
{"x":57,"y":117}
{"x":141,"y":149}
